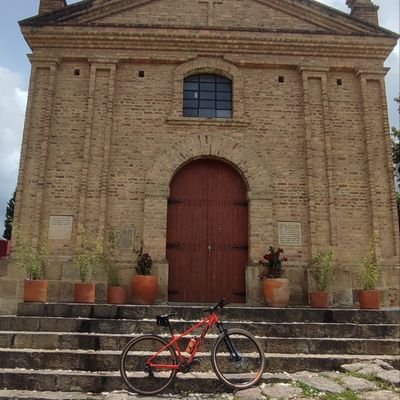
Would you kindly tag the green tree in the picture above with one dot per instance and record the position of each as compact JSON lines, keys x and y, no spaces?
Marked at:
{"x":396,"y":139}
{"x":396,"y":153}
{"x":9,"y":218}
{"x":396,"y":145}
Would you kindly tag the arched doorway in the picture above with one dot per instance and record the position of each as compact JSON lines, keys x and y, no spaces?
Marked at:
{"x":207,"y":233}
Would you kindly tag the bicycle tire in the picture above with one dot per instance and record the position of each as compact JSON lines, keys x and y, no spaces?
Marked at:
{"x":242,"y":373}
{"x":135,"y":373}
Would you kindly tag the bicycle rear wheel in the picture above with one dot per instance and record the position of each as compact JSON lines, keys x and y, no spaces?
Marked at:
{"x":243,"y":367}
{"x":137,"y":374}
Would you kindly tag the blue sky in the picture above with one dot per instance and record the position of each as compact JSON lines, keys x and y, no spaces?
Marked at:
{"x":15,"y":71}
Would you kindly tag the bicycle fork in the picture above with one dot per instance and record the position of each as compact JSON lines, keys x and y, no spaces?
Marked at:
{"x":234,"y":355}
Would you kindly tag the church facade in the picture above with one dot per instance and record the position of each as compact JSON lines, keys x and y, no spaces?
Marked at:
{"x":207,"y":131}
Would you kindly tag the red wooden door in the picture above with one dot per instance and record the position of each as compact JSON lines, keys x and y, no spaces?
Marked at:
{"x":207,"y":233}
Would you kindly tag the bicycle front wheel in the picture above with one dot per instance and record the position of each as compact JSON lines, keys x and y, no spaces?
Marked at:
{"x":238,"y":359}
{"x":138,"y":374}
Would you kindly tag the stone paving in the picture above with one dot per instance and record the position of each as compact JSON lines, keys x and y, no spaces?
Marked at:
{"x":375,"y":380}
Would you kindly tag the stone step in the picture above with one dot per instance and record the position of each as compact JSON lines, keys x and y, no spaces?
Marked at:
{"x":81,"y":360}
{"x":230,"y":313}
{"x":77,"y":347}
{"x":271,"y":329}
{"x":202,"y":382}
{"x":96,"y":342}
{"x":51,"y":395}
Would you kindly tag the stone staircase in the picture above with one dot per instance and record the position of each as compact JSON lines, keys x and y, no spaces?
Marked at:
{"x":76,"y":347}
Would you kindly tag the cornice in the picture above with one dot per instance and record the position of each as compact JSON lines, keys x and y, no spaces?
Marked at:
{"x":371,"y":72}
{"x":210,"y":42}
{"x":313,"y":69}
{"x":44,"y":60}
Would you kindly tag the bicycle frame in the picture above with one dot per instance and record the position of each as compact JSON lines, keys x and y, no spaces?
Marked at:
{"x":209,"y":322}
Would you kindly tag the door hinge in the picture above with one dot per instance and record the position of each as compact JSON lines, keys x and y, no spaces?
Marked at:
{"x":173,"y":245}
{"x":242,"y":247}
{"x":174,"y":201}
{"x":242,"y":294}
{"x":242,"y":204}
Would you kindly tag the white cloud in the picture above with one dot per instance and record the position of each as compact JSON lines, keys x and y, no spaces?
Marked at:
{"x":338,"y":4}
{"x":12,"y":110}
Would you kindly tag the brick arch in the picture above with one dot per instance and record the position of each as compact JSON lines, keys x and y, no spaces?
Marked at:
{"x":208,"y":65}
{"x":255,"y":172}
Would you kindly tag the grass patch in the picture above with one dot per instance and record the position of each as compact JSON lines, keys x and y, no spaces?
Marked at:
{"x":347,"y":395}
{"x":381,"y":384}
{"x":311,"y":392}
{"x":308,"y":391}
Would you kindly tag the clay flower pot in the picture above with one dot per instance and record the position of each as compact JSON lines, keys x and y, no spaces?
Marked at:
{"x":144,"y":289}
{"x":35,"y":290}
{"x":276,"y":292}
{"x":369,"y":299}
{"x":116,"y":295}
{"x":319,"y":299}
{"x":84,"y":292}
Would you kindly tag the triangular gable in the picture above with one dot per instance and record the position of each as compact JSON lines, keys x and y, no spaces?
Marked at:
{"x":268,"y":15}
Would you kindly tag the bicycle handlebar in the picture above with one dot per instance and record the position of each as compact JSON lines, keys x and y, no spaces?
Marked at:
{"x":222,"y":303}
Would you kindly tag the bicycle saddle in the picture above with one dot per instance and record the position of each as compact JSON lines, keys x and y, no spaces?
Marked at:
{"x":163,"y":320}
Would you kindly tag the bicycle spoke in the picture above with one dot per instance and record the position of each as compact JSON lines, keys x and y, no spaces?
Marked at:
{"x":243,"y":367}
{"x":138,"y":374}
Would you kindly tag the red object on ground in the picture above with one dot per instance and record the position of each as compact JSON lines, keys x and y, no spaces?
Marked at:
{"x":4,"y":248}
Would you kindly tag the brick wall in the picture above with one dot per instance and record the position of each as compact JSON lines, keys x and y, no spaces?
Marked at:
{"x":102,"y":143}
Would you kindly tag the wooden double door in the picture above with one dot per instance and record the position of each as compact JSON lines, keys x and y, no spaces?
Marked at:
{"x":207,"y":233}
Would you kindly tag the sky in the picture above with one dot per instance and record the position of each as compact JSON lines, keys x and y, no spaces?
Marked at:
{"x":15,"y":72}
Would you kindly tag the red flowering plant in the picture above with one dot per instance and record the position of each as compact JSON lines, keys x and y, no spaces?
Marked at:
{"x":143,"y":263}
{"x":272,"y":263}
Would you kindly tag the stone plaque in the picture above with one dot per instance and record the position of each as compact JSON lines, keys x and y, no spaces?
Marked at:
{"x":289,"y":234}
{"x":124,"y":238}
{"x":60,"y":227}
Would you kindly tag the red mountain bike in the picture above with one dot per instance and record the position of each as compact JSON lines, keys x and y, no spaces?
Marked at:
{"x":149,"y":363}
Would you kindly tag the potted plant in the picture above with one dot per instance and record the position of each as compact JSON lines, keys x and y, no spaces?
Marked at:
{"x":369,"y":296}
{"x":87,"y":259}
{"x":321,"y":274}
{"x":116,"y":294}
{"x":32,"y":260}
{"x":144,"y":285}
{"x":276,"y":289}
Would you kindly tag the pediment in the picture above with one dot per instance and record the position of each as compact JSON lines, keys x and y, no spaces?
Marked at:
{"x":300,"y":16}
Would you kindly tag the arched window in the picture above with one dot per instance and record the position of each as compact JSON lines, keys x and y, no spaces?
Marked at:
{"x":207,"y":96}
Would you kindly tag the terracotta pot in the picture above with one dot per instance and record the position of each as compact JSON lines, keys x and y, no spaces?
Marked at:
{"x":276,"y":292}
{"x":35,"y":290}
{"x":319,"y":299}
{"x":84,"y":292}
{"x":144,"y":289}
{"x":369,"y":299}
{"x":116,"y":295}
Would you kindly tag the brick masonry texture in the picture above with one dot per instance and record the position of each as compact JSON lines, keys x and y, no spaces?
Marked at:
{"x":102,"y":143}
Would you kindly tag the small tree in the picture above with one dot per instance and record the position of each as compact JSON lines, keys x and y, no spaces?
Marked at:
{"x":88,"y":257}
{"x":370,"y":267}
{"x":322,"y":269}
{"x":109,"y":261}
{"x":31,"y":259}
{"x":9,"y":218}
